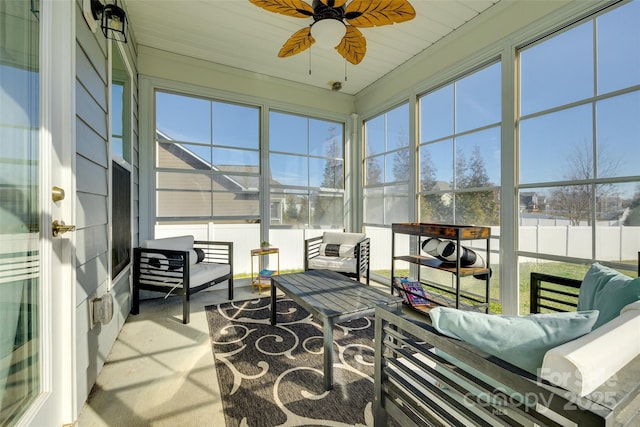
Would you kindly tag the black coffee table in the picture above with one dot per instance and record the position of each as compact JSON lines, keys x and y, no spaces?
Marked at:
{"x":331,"y":298}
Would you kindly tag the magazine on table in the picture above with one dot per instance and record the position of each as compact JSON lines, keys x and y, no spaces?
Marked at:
{"x":413,"y":293}
{"x":265,"y":273}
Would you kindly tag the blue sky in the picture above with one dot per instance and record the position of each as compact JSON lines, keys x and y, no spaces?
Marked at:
{"x":563,"y":70}
{"x":236,"y":128}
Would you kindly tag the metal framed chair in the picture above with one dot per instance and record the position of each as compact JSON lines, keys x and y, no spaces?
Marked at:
{"x":346,"y":253}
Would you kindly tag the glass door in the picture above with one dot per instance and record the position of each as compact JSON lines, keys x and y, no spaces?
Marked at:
{"x":35,"y":372}
{"x":19,"y":209}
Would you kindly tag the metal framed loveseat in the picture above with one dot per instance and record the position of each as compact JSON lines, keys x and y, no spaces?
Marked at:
{"x":346,"y":253}
{"x":181,"y":266}
{"x":423,"y":377}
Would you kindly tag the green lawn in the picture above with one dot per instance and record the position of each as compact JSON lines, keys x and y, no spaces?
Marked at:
{"x":477,"y":287}
{"x":468,"y":284}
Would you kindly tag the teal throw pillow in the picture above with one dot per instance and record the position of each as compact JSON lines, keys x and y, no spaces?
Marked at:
{"x":519,"y":340}
{"x":608,"y":291}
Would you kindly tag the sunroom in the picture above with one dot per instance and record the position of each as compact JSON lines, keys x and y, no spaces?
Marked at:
{"x":520,"y":116}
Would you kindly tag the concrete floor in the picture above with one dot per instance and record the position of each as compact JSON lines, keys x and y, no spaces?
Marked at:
{"x":161,"y":372}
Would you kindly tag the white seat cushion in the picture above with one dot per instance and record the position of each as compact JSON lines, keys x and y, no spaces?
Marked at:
{"x":344,"y":265}
{"x":583,"y":364}
{"x":205,"y":272}
{"x":199,"y":274}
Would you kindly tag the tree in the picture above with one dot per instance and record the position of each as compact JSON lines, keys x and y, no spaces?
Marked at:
{"x":333,"y":176}
{"x":482,"y":205}
{"x":328,"y":209}
{"x":633,"y":218}
{"x":401,"y":158}
{"x":576,"y":201}
{"x":303,"y":210}
{"x":460,"y":171}
{"x":427,"y":172}
{"x":478,"y":177}
{"x":324,"y":207}
{"x":435,"y":207}
{"x":636,"y":197}
{"x":291,"y":213}
{"x":373,"y":171}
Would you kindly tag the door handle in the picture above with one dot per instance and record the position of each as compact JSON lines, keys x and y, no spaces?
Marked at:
{"x":58,"y":228}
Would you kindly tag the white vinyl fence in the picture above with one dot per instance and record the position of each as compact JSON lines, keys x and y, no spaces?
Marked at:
{"x":613,"y":243}
{"x":246,"y":237}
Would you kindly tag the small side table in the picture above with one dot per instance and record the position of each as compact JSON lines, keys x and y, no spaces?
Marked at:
{"x":257,"y":280}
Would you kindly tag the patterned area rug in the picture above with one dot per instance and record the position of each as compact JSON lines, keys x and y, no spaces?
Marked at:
{"x":273,"y":375}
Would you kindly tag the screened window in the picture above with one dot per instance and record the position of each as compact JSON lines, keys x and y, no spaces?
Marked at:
{"x":117,"y":132}
{"x":579,"y":139}
{"x":459,"y":151}
{"x":207,"y":160}
{"x":387,"y":167}
{"x":306,"y":160}
{"x":120,"y":144}
{"x":459,"y":168}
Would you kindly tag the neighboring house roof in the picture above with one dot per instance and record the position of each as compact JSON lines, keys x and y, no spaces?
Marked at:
{"x":233,"y":182}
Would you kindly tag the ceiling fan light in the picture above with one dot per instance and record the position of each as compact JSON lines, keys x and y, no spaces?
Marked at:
{"x":328,"y":32}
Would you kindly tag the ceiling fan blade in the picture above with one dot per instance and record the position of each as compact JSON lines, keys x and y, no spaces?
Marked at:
{"x":299,"y":41}
{"x":361,"y":13}
{"x":353,"y":45}
{"x":333,"y":3}
{"x":295,"y":8}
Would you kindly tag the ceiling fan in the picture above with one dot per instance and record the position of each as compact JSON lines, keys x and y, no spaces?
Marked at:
{"x":337,"y":16}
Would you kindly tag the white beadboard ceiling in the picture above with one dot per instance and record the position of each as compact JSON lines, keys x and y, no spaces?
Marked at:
{"x":238,"y":34}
